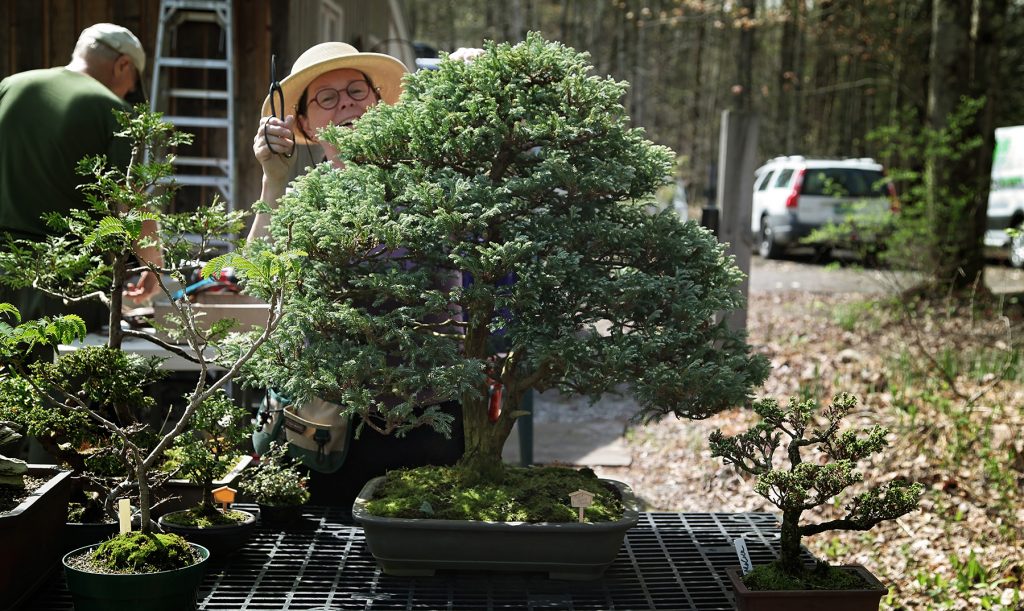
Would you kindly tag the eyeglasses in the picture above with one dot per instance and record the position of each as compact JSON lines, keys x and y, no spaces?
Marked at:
{"x":328,"y":98}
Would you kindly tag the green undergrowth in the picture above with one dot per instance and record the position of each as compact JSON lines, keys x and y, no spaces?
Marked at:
{"x":196,"y":517}
{"x":136,"y":552}
{"x":537,"y":494}
{"x":821,"y":577}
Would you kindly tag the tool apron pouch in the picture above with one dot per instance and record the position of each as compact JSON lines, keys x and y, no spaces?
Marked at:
{"x":316,"y":432}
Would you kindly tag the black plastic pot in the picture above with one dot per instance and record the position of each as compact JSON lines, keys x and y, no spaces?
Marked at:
{"x":279,"y":515}
{"x":79,"y":534}
{"x":404,"y":546}
{"x":165,"y":591}
{"x":813,"y":600}
{"x":221,"y":540}
{"x":30,"y":542}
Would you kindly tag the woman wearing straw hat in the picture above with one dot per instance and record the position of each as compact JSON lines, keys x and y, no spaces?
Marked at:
{"x":331,"y":83}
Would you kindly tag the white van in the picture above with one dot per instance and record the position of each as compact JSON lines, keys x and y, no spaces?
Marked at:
{"x":794,"y":195}
{"x":1006,"y":195}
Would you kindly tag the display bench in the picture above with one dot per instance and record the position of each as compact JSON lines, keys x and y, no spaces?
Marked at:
{"x":672,"y":561}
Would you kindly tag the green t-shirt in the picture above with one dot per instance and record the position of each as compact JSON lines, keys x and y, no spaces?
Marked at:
{"x":49,"y":120}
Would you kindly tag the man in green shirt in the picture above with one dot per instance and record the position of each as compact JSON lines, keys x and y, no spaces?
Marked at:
{"x":49,"y":120}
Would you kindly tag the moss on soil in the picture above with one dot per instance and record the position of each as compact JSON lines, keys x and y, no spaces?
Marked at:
{"x":821,"y":577}
{"x":196,"y":517}
{"x":535,"y":494}
{"x":136,"y":552}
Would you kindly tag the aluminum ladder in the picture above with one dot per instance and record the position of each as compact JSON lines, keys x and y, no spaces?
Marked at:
{"x":181,"y":89}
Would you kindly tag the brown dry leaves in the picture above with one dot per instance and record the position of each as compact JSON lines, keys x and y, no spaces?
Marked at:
{"x":969,"y":455}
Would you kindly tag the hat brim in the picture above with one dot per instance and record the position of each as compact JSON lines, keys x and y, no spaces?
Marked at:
{"x":385,"y":71}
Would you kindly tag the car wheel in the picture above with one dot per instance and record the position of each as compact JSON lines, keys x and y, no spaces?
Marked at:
{"x":768,"y":247}
{"x":1017,"y":249}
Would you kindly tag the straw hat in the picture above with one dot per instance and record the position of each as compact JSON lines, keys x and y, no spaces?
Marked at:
{"x":385,"y":71}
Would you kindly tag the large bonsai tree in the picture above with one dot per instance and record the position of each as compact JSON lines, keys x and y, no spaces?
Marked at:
{"x":822,"y":463}
{"x":91,"y":255}
{"x":493,"y":231}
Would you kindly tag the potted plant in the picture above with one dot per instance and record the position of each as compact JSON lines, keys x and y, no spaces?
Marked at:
{"x":89,"y":257}
{"x":33,"y":500}
{"x":205,"y":452}
{"x":822,"y":463}
{"x":95,"y":458}
{"x":493,"y":233}
{"x":277,"y":487}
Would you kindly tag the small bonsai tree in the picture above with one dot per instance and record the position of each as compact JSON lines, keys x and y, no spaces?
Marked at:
{"x":483,"y":232}
{"x":275,"y":481}
{"x":210,"y":446}
{"x":91,"y":256}
{"x":804,"y":485}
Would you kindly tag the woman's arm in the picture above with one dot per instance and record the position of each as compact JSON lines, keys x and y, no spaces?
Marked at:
{"x":273,"y":138}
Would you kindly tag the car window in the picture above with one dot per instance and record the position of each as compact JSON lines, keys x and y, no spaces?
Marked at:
{"x":764,"y":181}
{"x":783,"y":178}
{"x":844,"y":182}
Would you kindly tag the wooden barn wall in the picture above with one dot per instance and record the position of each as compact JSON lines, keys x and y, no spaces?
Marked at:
{"x":42,"y":34}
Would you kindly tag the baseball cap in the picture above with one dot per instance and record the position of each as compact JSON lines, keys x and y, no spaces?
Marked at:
{"x":119,"y":39}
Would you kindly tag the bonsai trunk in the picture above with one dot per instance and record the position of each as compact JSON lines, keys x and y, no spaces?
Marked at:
{"x":789,"y":542}
{"x":146,"y":526}
{"x":207,"y":499}
{"x":481,"y":460}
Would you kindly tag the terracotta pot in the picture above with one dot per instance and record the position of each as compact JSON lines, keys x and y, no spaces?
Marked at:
{"x":404,"y":546}
{"x":221,"y":540}
{"x":175,"y":590}
{"x":809,"y":600}
{"x":30,"y":536}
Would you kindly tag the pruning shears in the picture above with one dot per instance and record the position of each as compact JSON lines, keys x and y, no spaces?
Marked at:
{"x":275,"y":95}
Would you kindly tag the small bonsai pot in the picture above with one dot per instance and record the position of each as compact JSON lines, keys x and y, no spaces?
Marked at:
{"x":28,"y":535}
{"x":221,"y":539}
{"x":866,"y":599}
{"x":279,"y":515}
{"x":175,"y":590}
{"x":190,"y":494}
{"x":80,"y":534}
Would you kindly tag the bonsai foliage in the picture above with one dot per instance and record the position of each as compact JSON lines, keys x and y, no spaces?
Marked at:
{"x":275,"y":481}
{"x":800,"y":486}
{"x":494,"y":229}
{"x":88,"y":257}
{"x":210,"y":446}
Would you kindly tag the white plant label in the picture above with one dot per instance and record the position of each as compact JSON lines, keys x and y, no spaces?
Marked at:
{"x":746,"y":565}
{"x":124,"y":515}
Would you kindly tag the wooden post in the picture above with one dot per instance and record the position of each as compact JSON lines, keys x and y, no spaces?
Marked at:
{"x":736,"y":164}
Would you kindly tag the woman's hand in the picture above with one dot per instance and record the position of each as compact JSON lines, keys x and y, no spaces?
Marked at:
{"x":274,"y":139}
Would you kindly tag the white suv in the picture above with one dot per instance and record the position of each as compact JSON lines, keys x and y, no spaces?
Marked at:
{"x":794,"y":196}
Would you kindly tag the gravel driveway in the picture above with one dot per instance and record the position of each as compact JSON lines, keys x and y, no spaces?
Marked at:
{"x":798,"y":274}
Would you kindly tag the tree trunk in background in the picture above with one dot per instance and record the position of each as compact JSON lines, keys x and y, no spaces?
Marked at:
{"x":697,"y":165}
{"x":961,"y":65}
{"x":639,"y":58}
{"x":743,"y":99}
{"x":820,"y":99}
{"x":787,"y":77}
